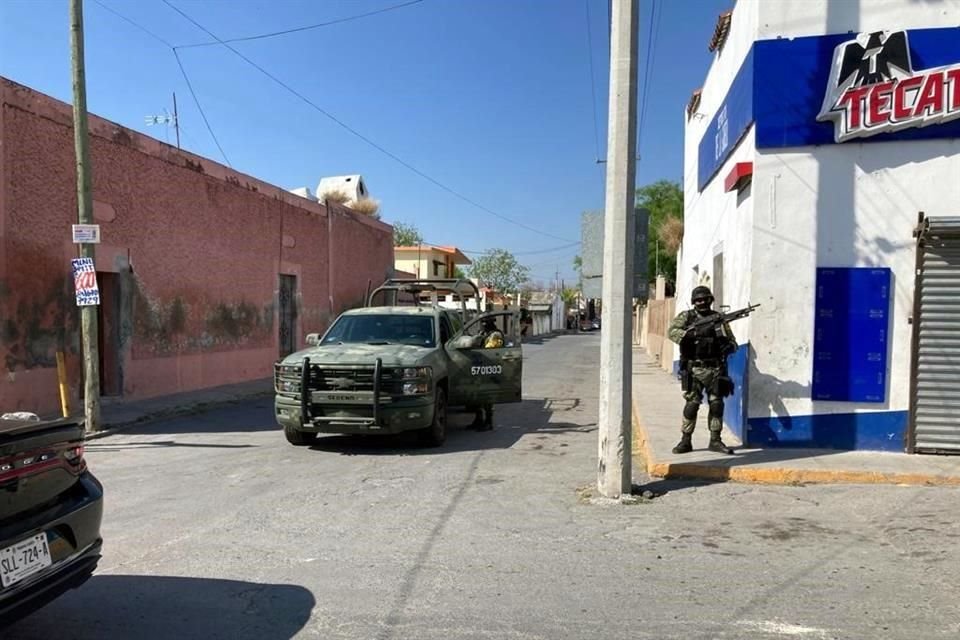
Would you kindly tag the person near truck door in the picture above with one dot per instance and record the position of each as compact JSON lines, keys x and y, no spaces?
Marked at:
{"x":490,"y":338}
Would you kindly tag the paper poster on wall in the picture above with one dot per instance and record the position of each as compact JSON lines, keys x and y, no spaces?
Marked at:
{"x":85,"y":282}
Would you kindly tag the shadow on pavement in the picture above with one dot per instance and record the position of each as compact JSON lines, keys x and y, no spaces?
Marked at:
{"x":155,"y":607}
{"x":120,"y":446}
{"x":663,"y":486}
{"x":246,"y":416}
{"x":511,"y":422}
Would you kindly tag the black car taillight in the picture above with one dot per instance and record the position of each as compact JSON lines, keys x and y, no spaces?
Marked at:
{"x":25,"y":464}
{"x":74,"y":458}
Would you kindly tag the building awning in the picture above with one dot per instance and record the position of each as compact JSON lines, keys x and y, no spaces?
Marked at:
{"x":739,"y":176}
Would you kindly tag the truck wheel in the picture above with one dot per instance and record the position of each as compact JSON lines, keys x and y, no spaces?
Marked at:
{"x":436,"y":433}
{"x":299,"y":438}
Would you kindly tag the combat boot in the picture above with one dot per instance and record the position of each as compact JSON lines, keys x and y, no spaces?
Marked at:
{"x":716,"y":444}
{"x":487,"y":421}
{"x":477,"y":424}
{"x":684,"y":446}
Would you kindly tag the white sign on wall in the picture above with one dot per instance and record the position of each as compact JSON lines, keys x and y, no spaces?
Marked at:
{"x":86,"y":234}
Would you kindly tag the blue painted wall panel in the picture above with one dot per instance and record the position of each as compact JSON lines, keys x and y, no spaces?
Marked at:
{"x":851,"y":327}
{"x":872,"y":431}
{"x":735,"y":406}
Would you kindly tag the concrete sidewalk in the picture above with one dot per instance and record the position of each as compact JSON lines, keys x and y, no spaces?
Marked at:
{"x":657,"y":407}
{"x":116,"y":414}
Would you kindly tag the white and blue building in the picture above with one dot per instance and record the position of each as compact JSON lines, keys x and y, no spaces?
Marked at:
{"x":822,"y":181}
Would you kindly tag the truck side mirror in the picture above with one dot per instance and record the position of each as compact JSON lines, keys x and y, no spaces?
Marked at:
{"x":313,"y":339}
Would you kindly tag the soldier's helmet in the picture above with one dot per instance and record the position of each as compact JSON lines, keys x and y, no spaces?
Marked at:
{"x":701,"y":297}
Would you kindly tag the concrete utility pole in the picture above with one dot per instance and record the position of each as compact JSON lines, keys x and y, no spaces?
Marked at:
{"x":614,"y":466}
{"x":88,"y":314}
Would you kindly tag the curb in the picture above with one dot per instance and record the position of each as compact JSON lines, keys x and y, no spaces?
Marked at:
{"x":777,"y":475}
{"x":194,"y":408}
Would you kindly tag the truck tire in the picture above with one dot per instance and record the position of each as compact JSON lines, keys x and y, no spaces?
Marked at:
{"x":436,"y":434}
{"x":299,"y":438}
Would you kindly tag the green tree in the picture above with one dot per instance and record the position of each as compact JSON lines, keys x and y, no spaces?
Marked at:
{"x":406,"y":235}
{"x":499,"y":270}
{"x":664,"y":200}
{"x":459,"y":273}
{"x":569,"y":296}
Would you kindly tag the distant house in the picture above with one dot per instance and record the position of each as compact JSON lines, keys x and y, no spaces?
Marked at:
{"x":353,"y":186}
{"x":429,"y":261}
{"x":547,"y":312}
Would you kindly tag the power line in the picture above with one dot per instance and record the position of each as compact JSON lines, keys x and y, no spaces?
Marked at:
{"x":528,"y":253}
{"x":359,"y":135}
{"x":593,"y":83}
{"x":183,"y":72}
{"x":200,"y":108}
{"x":274,"y":34}
{"x":562,"y":259}
{"x":652,"y":34}
{"x":138,"y":26}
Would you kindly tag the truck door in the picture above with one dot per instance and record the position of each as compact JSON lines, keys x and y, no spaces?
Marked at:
{"x":486,"y":375}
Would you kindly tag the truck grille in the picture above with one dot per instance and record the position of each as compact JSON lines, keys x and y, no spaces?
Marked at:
{"x":287,"y":378}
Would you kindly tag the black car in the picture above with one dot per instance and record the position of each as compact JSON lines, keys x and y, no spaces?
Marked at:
{"x":50,"y":512}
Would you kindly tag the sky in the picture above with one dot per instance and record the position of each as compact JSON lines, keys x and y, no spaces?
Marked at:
{"x":468,"y":111}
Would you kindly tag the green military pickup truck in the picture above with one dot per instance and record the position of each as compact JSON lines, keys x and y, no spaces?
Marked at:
{"x":398,"y":366}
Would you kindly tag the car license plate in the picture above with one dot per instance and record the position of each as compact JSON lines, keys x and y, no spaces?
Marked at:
{"x":349,"y":397}
{"x":23,"y":559}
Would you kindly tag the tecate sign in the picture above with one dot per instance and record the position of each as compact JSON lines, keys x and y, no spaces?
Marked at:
{"x":873,"y":88}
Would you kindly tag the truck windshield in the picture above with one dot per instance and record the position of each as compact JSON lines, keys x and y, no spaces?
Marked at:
{"x":383,"y":329}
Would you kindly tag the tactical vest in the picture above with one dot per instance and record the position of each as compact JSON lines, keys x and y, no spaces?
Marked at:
{"x":699,"y":347}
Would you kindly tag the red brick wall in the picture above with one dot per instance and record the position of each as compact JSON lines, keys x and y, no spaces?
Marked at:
{"x":196,"y":248}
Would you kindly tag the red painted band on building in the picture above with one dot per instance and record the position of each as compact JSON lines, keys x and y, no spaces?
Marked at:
{"x":739,"y":176}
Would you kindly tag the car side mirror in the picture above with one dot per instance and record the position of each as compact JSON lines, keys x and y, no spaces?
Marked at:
{"x":461,"y":342}
{"x":313,"y":339}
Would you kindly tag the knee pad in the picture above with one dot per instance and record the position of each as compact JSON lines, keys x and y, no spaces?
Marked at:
{"x":716,"y":408}
{"x":690,"y":410}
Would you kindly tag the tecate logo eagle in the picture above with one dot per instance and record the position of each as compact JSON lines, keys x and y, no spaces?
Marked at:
{"x":873,"y":88}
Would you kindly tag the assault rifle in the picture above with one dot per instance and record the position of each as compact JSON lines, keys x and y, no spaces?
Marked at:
{"x":707,"y":327}
{"x":715,"y":320}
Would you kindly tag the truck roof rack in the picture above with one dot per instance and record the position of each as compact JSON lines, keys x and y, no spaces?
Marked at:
{"x":435,"y":287}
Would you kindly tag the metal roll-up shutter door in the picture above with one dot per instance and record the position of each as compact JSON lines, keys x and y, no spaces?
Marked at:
{"x":936,"y":384}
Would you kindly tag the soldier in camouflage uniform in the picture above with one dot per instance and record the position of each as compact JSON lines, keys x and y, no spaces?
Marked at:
{"x":490,"y":338}
{"x":703,"y":355}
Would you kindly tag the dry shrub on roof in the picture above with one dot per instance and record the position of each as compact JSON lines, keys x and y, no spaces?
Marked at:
{"x":671,"y":234}
{"x":366,"y":206}
{"x":339,"y":197}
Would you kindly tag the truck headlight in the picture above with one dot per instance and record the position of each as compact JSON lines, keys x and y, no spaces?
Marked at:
{"x":415,"y":388}
{"x":417,"y":372}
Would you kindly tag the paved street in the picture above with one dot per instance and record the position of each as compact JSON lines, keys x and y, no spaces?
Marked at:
{"x":216,"y":528}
